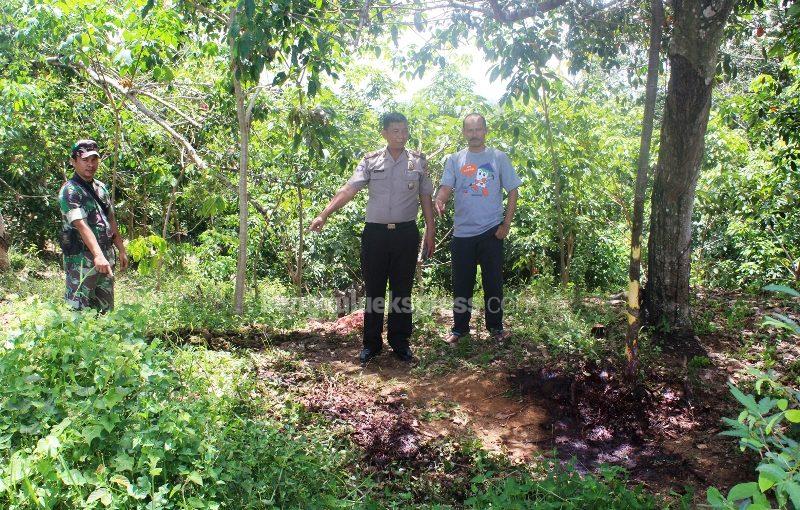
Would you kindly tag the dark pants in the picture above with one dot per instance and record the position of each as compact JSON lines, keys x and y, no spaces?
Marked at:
{"x":467,"y":252}
{"x":388,"y":255}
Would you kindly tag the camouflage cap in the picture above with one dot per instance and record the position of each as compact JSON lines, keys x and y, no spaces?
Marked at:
{"x":85,"y":148}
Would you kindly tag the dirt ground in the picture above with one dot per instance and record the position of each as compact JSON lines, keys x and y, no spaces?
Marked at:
{"x":665,"y":432}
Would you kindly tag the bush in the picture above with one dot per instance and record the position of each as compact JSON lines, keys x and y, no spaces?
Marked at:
{"x":771,"y":428}
{"x":95,"y":417}
{"x":558,"y":488}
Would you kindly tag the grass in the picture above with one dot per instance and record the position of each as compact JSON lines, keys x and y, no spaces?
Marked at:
{"x":180,"y":301}
{"x":545,"y":324}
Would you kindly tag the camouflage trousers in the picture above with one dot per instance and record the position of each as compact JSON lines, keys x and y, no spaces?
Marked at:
{"x":86,"y":288}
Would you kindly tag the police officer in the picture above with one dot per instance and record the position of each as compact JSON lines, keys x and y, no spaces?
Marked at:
{"x":89,"y":233}
{"x":398,"y":181}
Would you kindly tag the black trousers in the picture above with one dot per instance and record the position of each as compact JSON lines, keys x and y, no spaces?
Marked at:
{"x":467,"y":252}
{"x":388,"y":255}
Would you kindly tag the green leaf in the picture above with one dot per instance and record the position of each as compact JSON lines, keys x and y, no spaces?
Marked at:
{"x":765,"y":482}
{"x":195,"y":477}
{"x":793,"y":415}
{"x":755,"y":444}
{"x":714,"y":498}
{"x":782,"y":288}
{"x":195,"y":502}
{"x":49,"y":445}
{"x":792,"y":488}
{"x":120,"y":480}
{"x":142,"y":488}
{"x":123,"y":462}
{"x":770,"y":473}
{"x":102,"y":494}
{"x":743,"y":491}
{"x":73,"y":477}
{"x":782,"y":322}
{"x":418,"y":21}
{"x":90,"y":433}
{"x":783,"y":404}
{"x":146,"y":9}
{"x":245,"y":46}
{"x":31,"y":492}
{"x":746,"y":400}
{"x":772,"y":422}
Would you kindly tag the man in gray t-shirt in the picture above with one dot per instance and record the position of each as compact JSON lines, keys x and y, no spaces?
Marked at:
{"x":478,"y":175}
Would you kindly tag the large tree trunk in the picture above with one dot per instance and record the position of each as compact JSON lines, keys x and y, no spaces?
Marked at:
{"x":4,"y":244}
{"x":693,"y":53}
{"x":637,"y":217}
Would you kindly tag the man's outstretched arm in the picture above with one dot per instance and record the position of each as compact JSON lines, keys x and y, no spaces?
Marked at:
{"x":339,"y":200}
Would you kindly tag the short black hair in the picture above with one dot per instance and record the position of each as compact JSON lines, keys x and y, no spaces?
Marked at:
{"x":391,"y":117}
{"x":474,"y":114}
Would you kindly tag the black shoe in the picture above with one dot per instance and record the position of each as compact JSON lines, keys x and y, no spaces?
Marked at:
{"x":404,"y":354}
{"x":367,"y":354}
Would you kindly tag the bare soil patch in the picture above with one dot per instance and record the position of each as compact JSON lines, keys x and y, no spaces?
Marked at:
{"x":664,"y":431}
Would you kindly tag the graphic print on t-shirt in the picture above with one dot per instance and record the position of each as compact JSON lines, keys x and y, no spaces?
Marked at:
{"x":480,"y":176}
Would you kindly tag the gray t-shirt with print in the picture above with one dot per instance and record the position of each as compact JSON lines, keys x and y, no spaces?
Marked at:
{"x":477,"y":180}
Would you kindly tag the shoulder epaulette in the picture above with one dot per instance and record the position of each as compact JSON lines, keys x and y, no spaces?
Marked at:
{"x":417,"y":154}
{"x":373,"y":154}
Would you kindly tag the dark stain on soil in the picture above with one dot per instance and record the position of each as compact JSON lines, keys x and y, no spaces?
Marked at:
{"x":662,"y":435}
{"x":382,"y":427}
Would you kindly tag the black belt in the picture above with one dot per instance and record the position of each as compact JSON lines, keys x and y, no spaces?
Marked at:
{"x":392,"y":226}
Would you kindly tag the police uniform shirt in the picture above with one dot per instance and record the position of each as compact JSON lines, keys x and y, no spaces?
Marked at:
{"x":394,"y":185}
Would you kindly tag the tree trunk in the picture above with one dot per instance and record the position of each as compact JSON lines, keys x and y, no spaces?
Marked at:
{"x":637,"y":219}
{"x":244,"y":142}
{"x":171,"y":202}
{"x":562,"y":248}
{"x":301,"y":240}
{"x":4,"y":244}
{"x":243,"y":117}
{"x":693,"y":50}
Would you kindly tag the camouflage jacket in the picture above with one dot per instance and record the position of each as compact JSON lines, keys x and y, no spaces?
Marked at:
{"x":76,"y":203}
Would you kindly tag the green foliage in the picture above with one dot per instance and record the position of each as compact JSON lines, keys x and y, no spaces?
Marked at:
{"x":557,"y":489}
{"x":97,"y":417}
{"x":149,"y":252}
{"x":745,"y":208}
{"x":320,"y":115}
{"x":769,"y":427}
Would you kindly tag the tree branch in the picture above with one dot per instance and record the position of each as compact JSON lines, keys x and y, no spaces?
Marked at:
{"x":497,"y":12}
{"x":530,"y":11}
{"x":98,"y":79}
{"x":170,"y":106}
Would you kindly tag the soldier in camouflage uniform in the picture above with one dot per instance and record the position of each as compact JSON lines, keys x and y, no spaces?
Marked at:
{"x":89,"y":233}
